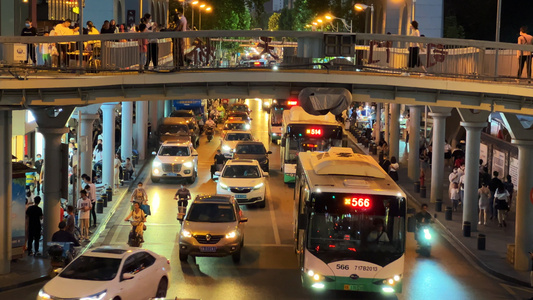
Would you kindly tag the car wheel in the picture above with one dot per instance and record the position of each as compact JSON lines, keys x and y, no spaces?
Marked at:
{"x":183,"y":256}
{"x":162,"y":288}
{"x":116,"y":298}
{"x":236,"y":257}
{"x":192,"y":179}
{"x":262,"y":204}
{"x":155,"y":179}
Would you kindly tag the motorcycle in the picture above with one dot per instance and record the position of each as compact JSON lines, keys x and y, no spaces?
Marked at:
{"x":209,"y":132}
{"x":134,"y":239}
{"x":424,"y":240}
{"x":181,"y":211}
{"x":61,"y":254}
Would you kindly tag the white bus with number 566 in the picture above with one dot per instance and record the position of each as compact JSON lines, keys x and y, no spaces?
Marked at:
{"x":350,"y":223}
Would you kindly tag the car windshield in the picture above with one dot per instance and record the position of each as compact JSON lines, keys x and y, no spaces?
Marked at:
{"x":92,"y":268}
{"x":211,"y":212}
{"x":238,"y":137}
{"x":174,"y":129}
{"x":250,"y":149}
{"x":243,"y":108}
{"x":181,"y":114}
{"x":174,"y":151}
{"x":235,"y":126}
{"x":243,"y":171}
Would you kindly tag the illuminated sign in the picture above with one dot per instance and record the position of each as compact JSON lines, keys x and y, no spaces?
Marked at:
{"x":314,"y":131}
{"x":357,"y":202}
{"x":292,"y":102}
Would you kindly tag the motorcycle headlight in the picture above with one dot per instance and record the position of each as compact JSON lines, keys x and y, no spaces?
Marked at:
{"x":187,"y":164}
{"x":98,"y":296}
{"x":43,"y":296}
{"x":258,"y":186}
{"x":186,"y":233}
{"x":156,"y":164}
{"x":226,"y":148}
{"x":223,"y":186}
{"x":427,"y":234}
{"x":231,"y":235}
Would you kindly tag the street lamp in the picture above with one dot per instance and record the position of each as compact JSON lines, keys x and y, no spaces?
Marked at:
{"x":192,"y":5}
{"x":362,"y":7}
{"x":321,"y":24}
{"x":330,"y":17}
{"x":207,"y":9}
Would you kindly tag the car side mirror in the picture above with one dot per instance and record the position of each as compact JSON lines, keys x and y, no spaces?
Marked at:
{"x":269,"y":152}
{"x":217,"y":173}
{"x":127,"y":276}
{"x":154,"y":153}
{"x":194,"y":153}
{"x":265,"y":174}
{"x":243,"y":220}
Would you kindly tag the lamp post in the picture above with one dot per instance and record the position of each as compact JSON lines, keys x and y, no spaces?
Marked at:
{"x":207,"y":9}
{"x":362,"y":7}
{"x":321,"y":24}
{"x":331,"y":18}
{"x":192,"y":9}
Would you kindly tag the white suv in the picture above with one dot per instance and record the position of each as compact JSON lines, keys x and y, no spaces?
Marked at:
{"x":175,"y":160}
{"x":244,"y":179}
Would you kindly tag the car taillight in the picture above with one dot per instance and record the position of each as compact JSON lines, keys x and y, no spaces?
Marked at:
{"x":168,"y":261}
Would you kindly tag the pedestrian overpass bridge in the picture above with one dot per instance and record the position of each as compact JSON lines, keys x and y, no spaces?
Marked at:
{"x":457,"y":73}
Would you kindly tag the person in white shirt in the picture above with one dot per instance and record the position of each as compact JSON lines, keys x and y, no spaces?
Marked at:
{"x":117,"y":165}
{"x":378,"y":235}
{"x":501,"y":201}
{"x":84,"y":208}
{"x":152,"y":43}
{"x":46,"y":50}
{"x":60,"y":30}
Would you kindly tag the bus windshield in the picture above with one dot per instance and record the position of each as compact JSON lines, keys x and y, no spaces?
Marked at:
{"x":276,"y":116}
{"x":357,"y":227}
{"x":302,"y":144}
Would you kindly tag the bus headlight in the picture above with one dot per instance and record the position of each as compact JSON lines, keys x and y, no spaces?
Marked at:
{"x":387,"y":289}
{"x":187,"y":164}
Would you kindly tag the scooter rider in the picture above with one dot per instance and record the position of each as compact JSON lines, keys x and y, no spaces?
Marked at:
{"x":423,"y":217}
{"x":183,"y":195}
{"x":210,"y":123}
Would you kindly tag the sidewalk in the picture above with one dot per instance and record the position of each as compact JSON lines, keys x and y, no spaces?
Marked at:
{"x":494,"y":259}
{"x":30,"y":269}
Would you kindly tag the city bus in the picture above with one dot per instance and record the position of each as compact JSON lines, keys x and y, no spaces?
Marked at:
{"x":350,"y":223}
{"x":276,"y":109}
{"x":303,"y":132}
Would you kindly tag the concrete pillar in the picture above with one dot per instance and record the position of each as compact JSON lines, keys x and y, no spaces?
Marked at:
{"x":437,"y":160}
{"x":85,"y":144}
{"x":142,"y":128}
{"x":387,"y":123}
{"x":413,"y":170}
{"x":524,"y":206}
{"x":168,"y":107}
{"x":153,"y":116}
{"x":52,"y":180}
{"x":394,"y":138}
{"x":127,"y":131}
{"x":5,"y":191}
{"x":160,"y":110}
{"x":108,"y":110}
{"x":378,"y":119}
{"x":470,"y":201}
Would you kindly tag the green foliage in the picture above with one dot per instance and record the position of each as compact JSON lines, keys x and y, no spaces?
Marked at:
{"x":452,"y":29}
{"x":273,"y":22}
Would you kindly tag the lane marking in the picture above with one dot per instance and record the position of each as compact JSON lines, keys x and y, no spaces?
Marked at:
{"x":117,"y":232}
{"x":273,"y":217}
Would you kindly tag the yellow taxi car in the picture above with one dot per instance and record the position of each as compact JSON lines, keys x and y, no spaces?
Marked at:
{"x":234,"y":123}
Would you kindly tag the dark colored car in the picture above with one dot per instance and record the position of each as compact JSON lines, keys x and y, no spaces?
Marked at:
{"x":172,"y":129}
{"x":238,"y":107}
{"x":182,"y":114}
{"x":253,"y":150}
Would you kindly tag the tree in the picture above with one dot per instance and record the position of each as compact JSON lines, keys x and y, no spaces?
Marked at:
{"x":452,"y":29}
{"x":273,"y":22}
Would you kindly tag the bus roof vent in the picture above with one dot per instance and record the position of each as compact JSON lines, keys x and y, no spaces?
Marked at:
{"x":297,"y":113}
{"x":342,"y":161}
{"x":356,"y":183}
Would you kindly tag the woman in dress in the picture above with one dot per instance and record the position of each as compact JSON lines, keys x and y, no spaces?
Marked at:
{"x":117,"y":164}
{"x":484,"y":203}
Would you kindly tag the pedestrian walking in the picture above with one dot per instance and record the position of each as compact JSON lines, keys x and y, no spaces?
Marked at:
{"x":393,"y":168}
{"x":509,"y":186}
{"x":91,"y":194}
{"x":70,"y":220}
{"x":414,"y":49}
{"x":143,"y":49}
{"x":524,"y":57}
{"x":455,"y":195}
{"x":152,"y":43}
{"x":31,"y":178}
{"x":34,"y":215}
{"x":38,"y":168}
{"x":179,"y":43}
{"x":484,"y":203}
{"x":494,"y":183}
{"x":447,"y":153}
{"x":501,"y":201}
{"x":84,"y":209}
{"x":453,"y":178}
{"x":118,"y":164}
{"x":29,"y":30}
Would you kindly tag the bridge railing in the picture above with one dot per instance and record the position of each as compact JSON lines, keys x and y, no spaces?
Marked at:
{"x":384,"y":54}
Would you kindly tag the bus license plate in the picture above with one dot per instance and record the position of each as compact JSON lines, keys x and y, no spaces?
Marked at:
{"x":208,"y":249}
{"x":240,"y":196}
{"x":354,"y":287}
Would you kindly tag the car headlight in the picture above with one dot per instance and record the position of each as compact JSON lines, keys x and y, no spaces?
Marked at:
{"x":156,"y":164}
{"x":231,"y":235}
{"x":258,"y":186}
{"x":186,"y":233}
{"x":187,"y":164}
{"x":226,"y":148}
{"x":223,"y":186}
{"x":98,"y":296}
{"x":247,"y":126}
{"x":43,"y":296}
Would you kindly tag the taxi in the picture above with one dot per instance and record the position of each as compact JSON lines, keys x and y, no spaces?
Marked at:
{"x":234,"y":123}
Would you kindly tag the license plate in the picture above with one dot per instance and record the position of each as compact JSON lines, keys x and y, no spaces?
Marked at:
{"x":208,"y":249}
{"x":240,"y":196}
{"x":354,"y":287}
{"x":172,"y":174}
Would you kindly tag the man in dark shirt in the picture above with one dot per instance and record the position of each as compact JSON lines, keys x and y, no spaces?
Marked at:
{"x":34,"y":215}
{"x":183,"y":195}
{"x":494,"y":183}
{"x":29,"y":30}
{"x":63,"y":236}
{"x":220,"y":160}
{"x":38,"y":167}
{"x":70,"y":220}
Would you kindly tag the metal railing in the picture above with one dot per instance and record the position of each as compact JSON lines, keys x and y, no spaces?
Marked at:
{"x":381,"y":54}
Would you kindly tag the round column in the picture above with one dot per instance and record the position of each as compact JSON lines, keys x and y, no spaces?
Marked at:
{"x":470,"y":201}
{"x":378,"y":119}
{"x":437,"y":159}
{"x":168,"y":107}
{"x":153,"y":116}
{"x":394,"y":134}
{"x":5,"y":191}
{"x":413,"y":170}
{"x":108,"y":110}
{"x":52,"y":181}
{"x":142,"y":128}
{"x":85,"y":144}
{"x":160,"y":109}
{"x":126,"y":131}
{"x":387,"y":123}
{"x":524,"y":206}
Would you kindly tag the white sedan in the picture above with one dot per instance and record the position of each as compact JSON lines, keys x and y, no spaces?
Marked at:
{"x":230,"y":140}
{"x":111,"y":273}
{"x":244,"y":179}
